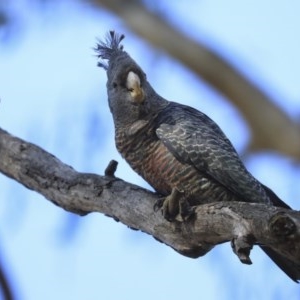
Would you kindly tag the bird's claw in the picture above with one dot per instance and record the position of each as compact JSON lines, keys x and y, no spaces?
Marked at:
{"x":186,"y":211}
{"x":163,"y":205}
{"x":173,"y":205}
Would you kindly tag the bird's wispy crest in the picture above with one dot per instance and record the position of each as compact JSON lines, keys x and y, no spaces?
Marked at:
{"x":106,"y":48}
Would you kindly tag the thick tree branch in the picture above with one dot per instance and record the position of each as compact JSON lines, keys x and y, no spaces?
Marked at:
{"x":242,"y":223}
{"x":271,"y":128}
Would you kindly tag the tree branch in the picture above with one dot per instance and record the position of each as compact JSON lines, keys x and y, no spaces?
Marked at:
{"x":271,"y":128}
{"x":244,"y":224}
{"x":7,"y":291}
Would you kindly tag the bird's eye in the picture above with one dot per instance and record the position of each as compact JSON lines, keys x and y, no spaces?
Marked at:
{"x":114,"y":84}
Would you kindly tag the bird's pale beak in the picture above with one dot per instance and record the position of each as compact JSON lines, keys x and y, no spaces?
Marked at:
{"x":133,"y":84}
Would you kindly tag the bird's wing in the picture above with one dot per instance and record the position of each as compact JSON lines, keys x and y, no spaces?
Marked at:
{"x":193,"y":138}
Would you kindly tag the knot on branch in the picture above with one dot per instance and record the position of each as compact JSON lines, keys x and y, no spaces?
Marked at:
{"x":282,"y":226}
{"x":242,"y":246}
{"x":194,"y":252}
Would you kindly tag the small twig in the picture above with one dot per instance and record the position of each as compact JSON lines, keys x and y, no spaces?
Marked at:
{"x":111,"y":168}
{"x":242,"y":247}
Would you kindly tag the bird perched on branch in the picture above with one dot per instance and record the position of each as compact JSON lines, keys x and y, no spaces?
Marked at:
{"x":177,"y":149}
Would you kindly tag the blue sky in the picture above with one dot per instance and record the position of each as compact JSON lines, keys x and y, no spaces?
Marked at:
{"x":52,"y":94}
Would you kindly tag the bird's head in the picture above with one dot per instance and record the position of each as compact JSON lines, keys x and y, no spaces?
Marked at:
{"x":130,"y":96}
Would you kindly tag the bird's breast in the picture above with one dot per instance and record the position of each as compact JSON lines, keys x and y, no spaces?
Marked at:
{"x":151,"y":159}
{"x":148,"y":157}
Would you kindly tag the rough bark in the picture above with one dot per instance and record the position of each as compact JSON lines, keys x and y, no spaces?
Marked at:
{"x":279,"y":133}
{"x":244,"y":224}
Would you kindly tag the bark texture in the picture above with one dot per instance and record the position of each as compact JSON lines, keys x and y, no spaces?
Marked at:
{"x":244,"y":224}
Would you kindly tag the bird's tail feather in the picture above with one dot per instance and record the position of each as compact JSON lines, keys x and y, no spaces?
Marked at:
{"x":275,"y":199}
{"x":287,"y":266}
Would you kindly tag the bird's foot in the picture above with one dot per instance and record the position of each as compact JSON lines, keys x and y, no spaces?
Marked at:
{"x":173,"y":205}
{"x":163,"y":205}
{"x":186,"y":211}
